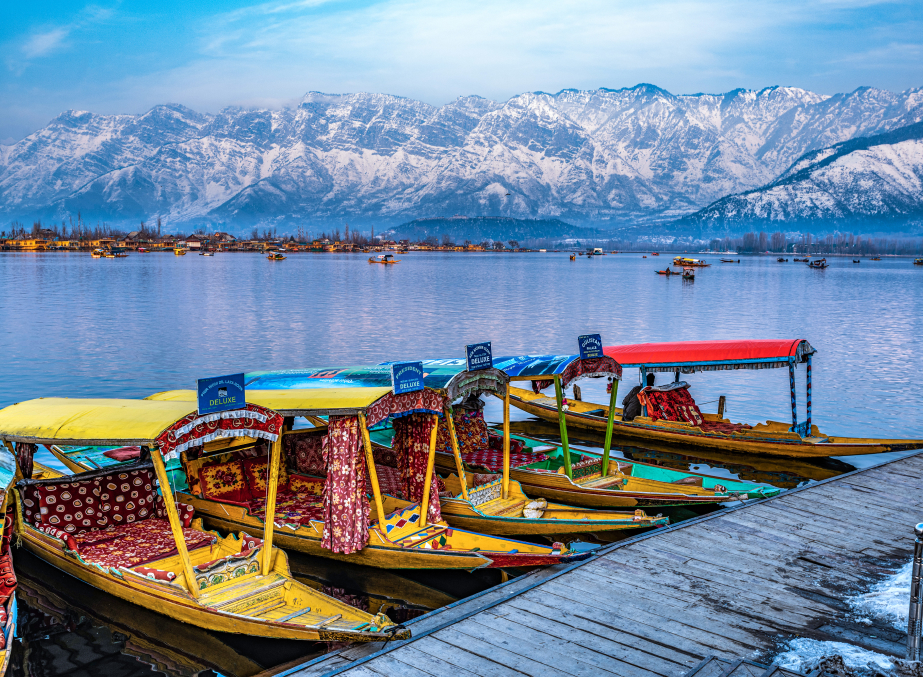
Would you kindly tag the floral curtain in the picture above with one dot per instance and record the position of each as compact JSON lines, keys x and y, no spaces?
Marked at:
{"x":346,"y":508}
{"x":411,"y":444}
{"x":24,"y":453}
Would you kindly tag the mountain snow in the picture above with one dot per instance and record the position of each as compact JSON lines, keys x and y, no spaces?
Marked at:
{"x":878,"y":177}
{"x":639,"y":152}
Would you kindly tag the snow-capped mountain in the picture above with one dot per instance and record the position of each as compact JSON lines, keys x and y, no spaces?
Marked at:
{"x":590,"y":155}
{"x":876,"y":179}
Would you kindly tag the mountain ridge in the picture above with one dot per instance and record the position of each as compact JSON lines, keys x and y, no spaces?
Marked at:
{"x":605,"y":157}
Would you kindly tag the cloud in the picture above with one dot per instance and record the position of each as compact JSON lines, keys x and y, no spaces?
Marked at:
{"x":41,"y":44}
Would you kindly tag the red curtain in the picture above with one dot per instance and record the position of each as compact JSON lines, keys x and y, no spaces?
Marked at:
{"x":411,"y":444}
{"x":346,"y":508}
{"x":24,"y":453}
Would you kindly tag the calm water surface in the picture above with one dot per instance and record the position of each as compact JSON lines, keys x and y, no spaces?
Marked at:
{"x":77,"y":326}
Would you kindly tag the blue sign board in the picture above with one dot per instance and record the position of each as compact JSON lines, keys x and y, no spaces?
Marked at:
{"x":479,"y":356}
{"x":591,"y":346}
{"x":221,"y":393}
{"x":406,"y":377}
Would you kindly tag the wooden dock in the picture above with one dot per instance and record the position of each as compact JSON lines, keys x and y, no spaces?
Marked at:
{"x":733,"y":584}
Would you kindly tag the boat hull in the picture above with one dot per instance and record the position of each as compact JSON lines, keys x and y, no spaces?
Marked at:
{"x":176,"y":605}
{"x":378,"y":553}
{"x":689,"y":436}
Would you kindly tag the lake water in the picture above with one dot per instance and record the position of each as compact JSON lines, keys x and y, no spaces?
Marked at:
{"x":77,"y":326}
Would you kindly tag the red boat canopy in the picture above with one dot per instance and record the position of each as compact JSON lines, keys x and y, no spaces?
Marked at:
{"x":691,"y":356}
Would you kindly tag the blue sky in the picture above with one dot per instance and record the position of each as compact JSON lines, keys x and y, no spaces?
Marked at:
{"x":124,"y":57}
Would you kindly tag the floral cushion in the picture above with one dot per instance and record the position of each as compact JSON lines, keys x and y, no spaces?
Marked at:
{"x":155,"y":574}
{"x":224,"y":482}
{"x":386,"y":456}
{"x":256,"y":472}
{"x":298,"y":484}
{"x":471,"y":431}
{"x":292,"y":509}
{"x":141,"y":542}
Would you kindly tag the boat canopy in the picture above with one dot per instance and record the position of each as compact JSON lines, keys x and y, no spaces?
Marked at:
{"x":569,"y":367}
{"x":447,"y":376}
{"x":114,"y":422}
{"x":692,"y":356}
{"x":377,"y":404}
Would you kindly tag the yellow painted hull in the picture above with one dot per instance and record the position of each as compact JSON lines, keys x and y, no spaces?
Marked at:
{"x":557,"y":518}
{"x":467,"y":551}
{"x":163,"y":643}
{"x":772,"y":438}
{"x":178,"y":604}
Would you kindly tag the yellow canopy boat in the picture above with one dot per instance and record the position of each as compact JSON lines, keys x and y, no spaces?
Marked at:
{"x":666,"y":419}
{"x":401,"y":537}
{"x":112,"y":528}
{"x":486,"y":504}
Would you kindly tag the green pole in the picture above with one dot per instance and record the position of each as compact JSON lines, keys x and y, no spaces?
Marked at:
{"x":610,"y":420}
{"x":562,"y":423}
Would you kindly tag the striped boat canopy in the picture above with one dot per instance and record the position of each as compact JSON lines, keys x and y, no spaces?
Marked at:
{"x":691,"y":356}
{"x":447,"y":376}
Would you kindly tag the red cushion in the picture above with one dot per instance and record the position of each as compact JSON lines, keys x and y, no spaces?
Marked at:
{"x":71,"y":506}
{"x":304,"y":453}
{"x":471,"y":431}
{"x":126,"y":497}
{"x":122,"y":454}
{"x":493,"y":459}
{"x":141,"y":542}
{"x":292,"y":509}
{"x":224,"y":481}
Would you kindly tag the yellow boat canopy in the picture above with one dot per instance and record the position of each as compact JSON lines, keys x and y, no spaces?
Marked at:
{"x":173,"y":426}
{"x":95,"y":422}
{"x":377,"y":404}
{"x":297,"y":402}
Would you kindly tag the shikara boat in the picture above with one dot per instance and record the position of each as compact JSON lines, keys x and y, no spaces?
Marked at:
{"x":588,"y":483}
{"x":685,"y":261}
{"x":499,"y":506}
{"x":386,"y":259}
{"x":711,"y":430}
{"x":180,"y":251}
{"x":400,"y":537}
{"x":820,"y":263}
{"x":113,"y":528}
{"x":276,"y":256}
{"x":166,"y":645}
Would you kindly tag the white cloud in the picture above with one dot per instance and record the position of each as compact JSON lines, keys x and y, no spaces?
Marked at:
{"x":44,"y":43}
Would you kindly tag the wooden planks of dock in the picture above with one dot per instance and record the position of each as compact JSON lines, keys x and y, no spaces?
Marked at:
{"x":733,"y":584}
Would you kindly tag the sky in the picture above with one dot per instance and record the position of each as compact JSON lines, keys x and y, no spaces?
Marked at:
{"x":125,"y":57}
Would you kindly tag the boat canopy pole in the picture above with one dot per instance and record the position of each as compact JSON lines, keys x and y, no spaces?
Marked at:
{"x":178,"y":538}
{"x":506,"y":443}
{"x":562,"y":424}
{"x":791,"y":385}
{"x":275,"y":454}
{"x":456,"y":452}
{"x":808,"y":423}
{"x":373,"y":474}
{"x":643,"y":385}
{"x":428,"y":482}
{"x":610,"y":421}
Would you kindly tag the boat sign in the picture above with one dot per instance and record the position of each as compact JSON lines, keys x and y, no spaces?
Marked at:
{"x":221,"y":393}
{"x":591,"y":346}
{"x":480,"y":356}
{"x":406,"y":377}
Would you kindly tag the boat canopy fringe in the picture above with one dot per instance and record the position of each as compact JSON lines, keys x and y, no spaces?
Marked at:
{"x":476,"y":382}
{"x":193,"y":430}
{"x":426,"y":401}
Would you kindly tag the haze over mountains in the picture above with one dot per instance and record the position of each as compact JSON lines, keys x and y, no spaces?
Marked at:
{"x":597,"y":157}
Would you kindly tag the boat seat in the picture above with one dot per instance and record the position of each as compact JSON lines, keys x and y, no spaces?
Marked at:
{"x":493,"y":459}
{"x":130,"y":545}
